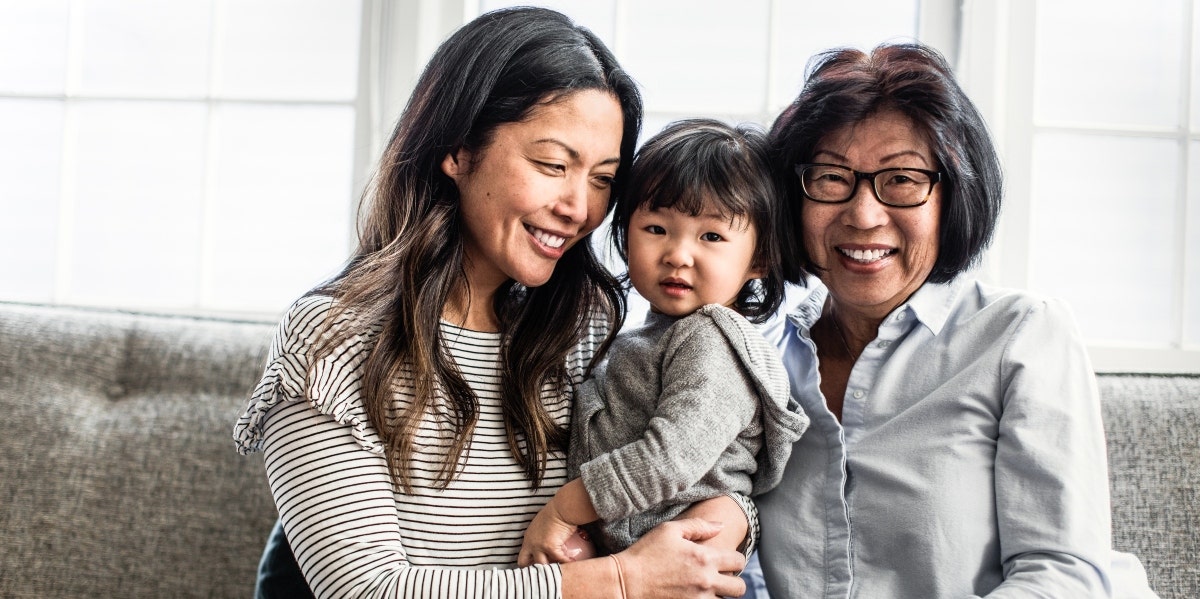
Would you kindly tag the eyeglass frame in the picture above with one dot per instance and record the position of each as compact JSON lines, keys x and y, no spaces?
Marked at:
{"x":935,"y":177}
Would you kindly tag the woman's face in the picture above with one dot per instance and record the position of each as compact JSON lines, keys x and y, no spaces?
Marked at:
{"x":873,"y":256}
{"x":537,"y":188}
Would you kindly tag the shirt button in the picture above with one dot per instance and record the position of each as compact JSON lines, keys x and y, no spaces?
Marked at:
{"x":900,"y":317}
{"x":883,"y":344}
{"x":858,"y":394}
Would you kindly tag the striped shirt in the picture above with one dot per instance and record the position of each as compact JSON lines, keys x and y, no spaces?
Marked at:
{"x":355,"y":535}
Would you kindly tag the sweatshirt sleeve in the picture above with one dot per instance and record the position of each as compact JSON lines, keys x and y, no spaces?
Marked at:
{"x":706,"y":400}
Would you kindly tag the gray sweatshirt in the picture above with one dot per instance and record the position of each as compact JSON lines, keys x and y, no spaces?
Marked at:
{"x":685,"y":409}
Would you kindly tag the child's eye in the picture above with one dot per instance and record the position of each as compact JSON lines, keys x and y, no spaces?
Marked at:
{"x":714,"y":237}
{"x":654,"y":230}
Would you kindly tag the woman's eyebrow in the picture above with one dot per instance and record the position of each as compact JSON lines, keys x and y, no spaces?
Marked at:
{"x":886,"y":158}
{"x":572,"y":152}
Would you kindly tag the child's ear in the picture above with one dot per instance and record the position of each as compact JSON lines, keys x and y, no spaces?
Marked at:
{"x":757,"y":271}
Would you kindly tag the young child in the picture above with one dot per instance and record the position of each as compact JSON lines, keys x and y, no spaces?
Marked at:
{"x":695,"y":403}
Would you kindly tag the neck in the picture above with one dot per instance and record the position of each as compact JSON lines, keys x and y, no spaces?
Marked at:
{"x":856,"y":329}
{"x":471,"y":309}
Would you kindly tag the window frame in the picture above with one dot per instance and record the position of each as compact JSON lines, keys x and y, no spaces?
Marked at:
{"x":997,"y":66}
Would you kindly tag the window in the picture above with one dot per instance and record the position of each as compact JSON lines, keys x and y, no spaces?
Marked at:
{"x":207,"y":155}
{"x":740,"y":62}
{"x":1101,"y":145}
{"x":193,"y":154}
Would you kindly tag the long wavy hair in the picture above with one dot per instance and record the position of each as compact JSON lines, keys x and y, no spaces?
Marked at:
{"x":409,"y":261}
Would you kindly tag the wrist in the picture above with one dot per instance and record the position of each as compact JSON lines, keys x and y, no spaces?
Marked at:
{"x":595,"y":578}
{"x":572,"y":505}
{"x":620,"y":576}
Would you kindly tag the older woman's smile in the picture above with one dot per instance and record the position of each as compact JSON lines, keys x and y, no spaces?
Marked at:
{"x":866,"y":256}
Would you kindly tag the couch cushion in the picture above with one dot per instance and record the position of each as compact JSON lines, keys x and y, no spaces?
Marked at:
{"x":120,"y":475}
{"x":1153,"y":429}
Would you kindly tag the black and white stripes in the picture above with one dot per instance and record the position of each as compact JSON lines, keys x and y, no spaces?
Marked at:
{"x":352,"y":533}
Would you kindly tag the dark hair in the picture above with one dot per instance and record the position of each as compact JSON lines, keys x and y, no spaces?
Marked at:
{"x":845,"y":87}
{"x":695,"y":164}
{"x":496,"y":69}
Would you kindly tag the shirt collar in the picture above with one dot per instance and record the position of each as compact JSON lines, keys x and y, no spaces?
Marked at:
{"x":930,"y":305}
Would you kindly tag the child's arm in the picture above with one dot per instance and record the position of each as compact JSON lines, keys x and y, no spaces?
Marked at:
{"x":547,"y":535}
{"x":725,"y":510}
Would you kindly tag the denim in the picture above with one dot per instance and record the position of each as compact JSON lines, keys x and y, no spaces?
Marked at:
{"x":279,"y":575}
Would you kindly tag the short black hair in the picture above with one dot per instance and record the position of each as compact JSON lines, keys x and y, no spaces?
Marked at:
{"x":694,"y":164}
{"x":845,"y":87}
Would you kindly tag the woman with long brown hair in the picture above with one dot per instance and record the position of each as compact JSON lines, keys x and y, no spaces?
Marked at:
{"x":414,"y":409}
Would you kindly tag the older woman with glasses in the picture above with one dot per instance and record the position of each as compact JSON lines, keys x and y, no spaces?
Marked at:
{"x":956,"y":446}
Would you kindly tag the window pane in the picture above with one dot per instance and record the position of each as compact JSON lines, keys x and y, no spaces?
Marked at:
{"x":811,"y":27}
{"x":597,"y":15}
{"x":1120,"y":64}
{"x":281,"y":215}
{"x":700,"y":56}
{"x":1195,"y":96}
{"x":30,"y":159}
{"x":146,"y":47}
{"x":37,"y":33}
{"x":138,"y":179}
{"x":1101,"y":236}
{"x":280,"y":49}
{"x":1191,"y":305}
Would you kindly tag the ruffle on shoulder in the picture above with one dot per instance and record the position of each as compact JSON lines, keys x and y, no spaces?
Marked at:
{"x":331,"y":384}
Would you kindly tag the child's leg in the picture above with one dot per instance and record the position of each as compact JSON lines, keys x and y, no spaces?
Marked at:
{"x":727,"y":511}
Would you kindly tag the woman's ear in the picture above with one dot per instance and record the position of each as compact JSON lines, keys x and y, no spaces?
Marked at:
{"x":456,"y":164}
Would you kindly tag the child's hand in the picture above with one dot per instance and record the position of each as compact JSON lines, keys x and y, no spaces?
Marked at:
{"x":550,"y":539}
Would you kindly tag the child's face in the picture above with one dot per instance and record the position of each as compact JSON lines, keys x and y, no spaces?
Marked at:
{"x":680,"y":262}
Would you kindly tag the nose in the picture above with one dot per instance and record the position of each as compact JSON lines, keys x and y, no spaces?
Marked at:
{"x":677,"y":254}
{"x":864,"y":210}
{"x":572,"y":205}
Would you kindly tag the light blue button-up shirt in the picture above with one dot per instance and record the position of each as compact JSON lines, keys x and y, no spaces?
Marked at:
{"x":970,"y":460}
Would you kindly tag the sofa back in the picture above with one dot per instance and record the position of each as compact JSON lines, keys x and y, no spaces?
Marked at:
{"x":118,"y":475}
{"x":1153,"y":428}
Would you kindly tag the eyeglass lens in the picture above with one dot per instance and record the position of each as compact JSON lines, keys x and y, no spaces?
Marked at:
{"x":895,"y":187}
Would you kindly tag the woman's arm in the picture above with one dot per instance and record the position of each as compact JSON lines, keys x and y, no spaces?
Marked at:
{"x":1051,"y":464}
{"x":669,"y":561}
{"x":337,"y":505}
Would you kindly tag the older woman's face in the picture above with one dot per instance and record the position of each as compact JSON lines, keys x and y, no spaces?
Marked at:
{"x":874,"y":256}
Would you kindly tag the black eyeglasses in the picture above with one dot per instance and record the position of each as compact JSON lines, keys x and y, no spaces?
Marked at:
{"x":899,"y":187}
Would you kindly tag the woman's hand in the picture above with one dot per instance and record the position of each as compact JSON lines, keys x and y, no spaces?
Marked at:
{"x":669,"y":561}
{"x":725,"y":510}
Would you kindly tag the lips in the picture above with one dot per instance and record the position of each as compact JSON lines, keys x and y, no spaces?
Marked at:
{"x":673,"y":286}
{"x":867,"y":256}
{"x":546,"y":238}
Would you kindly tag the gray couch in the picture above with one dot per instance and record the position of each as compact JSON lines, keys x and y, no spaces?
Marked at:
{"x":118,"y":477}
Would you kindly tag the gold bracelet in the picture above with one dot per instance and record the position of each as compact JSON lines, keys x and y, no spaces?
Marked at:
{"x":620,"y":576}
